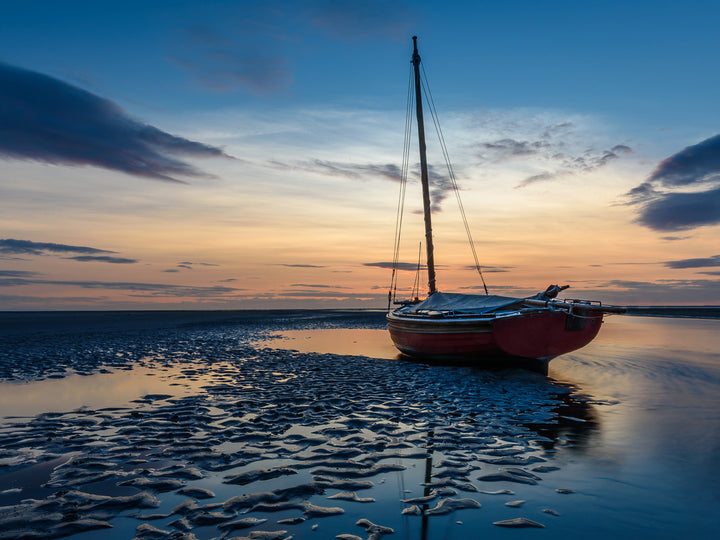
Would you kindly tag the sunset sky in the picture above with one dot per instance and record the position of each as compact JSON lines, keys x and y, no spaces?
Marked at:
{"x":238,"y":154}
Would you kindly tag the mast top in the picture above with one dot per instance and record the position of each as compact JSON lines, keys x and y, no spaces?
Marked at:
{"x":416,"y":55}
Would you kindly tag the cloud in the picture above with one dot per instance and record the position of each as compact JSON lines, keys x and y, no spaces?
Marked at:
{"x":17,"y":273}
{"x":675,"y":238}
{"x":152,"y":289}
{"x":323,"y":294}
{"x":302,"y":266}
{"x":361,"y":20}
{"x":556,"y":149}
{"x":354,"y":171}
{"x":694,"y":263}
{"x":87,"y":254}
{"x":254,"y":48}
{"x":542,"y":177}
{"x":681,"y":211}
{"x":692,"y":165}
{"x":440,"y":182}
{"x":588,"y":161}
{"x":683,"y":192}
{"x":27,"y":247}
{"x":621,"y":149}
{"x":411,"y":267}
{"x":227,"y":66}
{"x":188,"y":265}
{"x":316,"y":286}
{"x":47,"y":120}
{"x":673,"y":289}
{"x":506,"y":148}
{"x":103,"y":258}
{"x":491,"y":269}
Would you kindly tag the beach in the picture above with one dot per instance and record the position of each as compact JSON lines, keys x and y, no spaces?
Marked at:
{"x":307,"y":424}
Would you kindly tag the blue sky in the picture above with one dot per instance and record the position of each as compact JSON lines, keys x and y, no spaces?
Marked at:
{"x":237,"y":154}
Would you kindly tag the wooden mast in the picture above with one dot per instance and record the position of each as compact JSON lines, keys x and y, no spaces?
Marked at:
{"x":424,"y":171}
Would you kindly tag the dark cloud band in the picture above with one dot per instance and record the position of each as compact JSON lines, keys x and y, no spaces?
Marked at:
{"x":47,"y":120}
{"x":28,"y":247}
{"x":695,"y":168}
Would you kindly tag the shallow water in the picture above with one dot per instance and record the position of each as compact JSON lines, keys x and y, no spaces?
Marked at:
{"x":290,"y":415}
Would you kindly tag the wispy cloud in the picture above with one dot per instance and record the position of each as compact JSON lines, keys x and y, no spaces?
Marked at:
{"x":87,"y":254}
{"x":224,"y":64}
{"x":17,"y":273}
{"x":354,"y":171}
{"x":252,"y":50}
{"x":316,"y":286}
{"x":671,"y":289}
{"x":314,"y":293}
{"x":554,"y":148}
{"x":492,"y":269}
{"x":440,"y":182}
{"x":694,"y":263}
{"x":360,"y":20}
{"x":302,"y":266}
{"x":150,"y":289}
{"x":45,"y":119}
{"x":401,"y":265}
{"x":28,"y":247}
{"x":683,"y":192}
{"x":102,"y":258}
{"x":188,"y":265}
{"x":565,"y":164}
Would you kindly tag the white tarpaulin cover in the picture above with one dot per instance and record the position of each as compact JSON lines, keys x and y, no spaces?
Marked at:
{"x":460,"y":303}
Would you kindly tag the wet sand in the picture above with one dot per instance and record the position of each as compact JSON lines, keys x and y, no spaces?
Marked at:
{"x":308,"y":425}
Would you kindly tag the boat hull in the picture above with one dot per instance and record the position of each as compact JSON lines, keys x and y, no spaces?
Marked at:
{"x":538,"y":334}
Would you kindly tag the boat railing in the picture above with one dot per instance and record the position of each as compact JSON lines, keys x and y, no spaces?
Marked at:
{"x":574,"y":304}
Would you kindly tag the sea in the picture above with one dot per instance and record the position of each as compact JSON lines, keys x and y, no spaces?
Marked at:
{"x":309,"y":424}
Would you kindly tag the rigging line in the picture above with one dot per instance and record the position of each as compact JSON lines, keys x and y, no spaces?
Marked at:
{"x":399,"y":215}
{"x":403,"y":176}
{"x":401,"y":197}
{"x":451,"y":173}
{"x":416,"y":284}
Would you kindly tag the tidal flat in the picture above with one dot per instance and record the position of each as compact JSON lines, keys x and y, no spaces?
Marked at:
{"x":307,"y":424}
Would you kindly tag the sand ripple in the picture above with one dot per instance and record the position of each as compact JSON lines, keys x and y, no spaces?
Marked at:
{"x":252,"y":447}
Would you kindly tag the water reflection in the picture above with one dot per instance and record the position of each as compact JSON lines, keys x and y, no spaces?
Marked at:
{"x":342,"y":341}
{"x":109,"y":389}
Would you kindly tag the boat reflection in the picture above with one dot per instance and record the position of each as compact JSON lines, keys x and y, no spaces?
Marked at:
{"x":428,"y":488}
{"x":571,"y":428}
{"x":575,"y":423}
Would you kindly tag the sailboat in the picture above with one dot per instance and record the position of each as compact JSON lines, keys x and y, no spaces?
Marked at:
{"x":482,"y":327}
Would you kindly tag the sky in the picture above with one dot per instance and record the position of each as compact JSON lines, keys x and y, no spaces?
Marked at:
{"x":185,"y":154}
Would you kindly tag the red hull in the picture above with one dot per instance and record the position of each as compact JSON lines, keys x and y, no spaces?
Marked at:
{"x":538,"y":334}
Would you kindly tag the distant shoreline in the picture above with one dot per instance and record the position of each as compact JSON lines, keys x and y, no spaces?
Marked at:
{"x":693,"y":312}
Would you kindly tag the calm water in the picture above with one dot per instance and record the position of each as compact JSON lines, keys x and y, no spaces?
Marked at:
{"x":316,"y":409}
